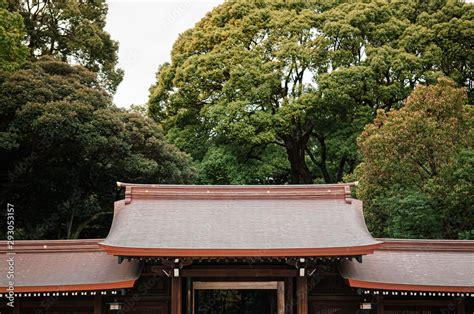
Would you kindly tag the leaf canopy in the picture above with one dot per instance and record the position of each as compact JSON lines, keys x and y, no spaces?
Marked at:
{"x":303,"y":78}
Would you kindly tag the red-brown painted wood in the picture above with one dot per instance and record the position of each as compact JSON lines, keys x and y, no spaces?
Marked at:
{"x":98,"y":306}
{"x":176,"y":296}
{"x":301,"y":295}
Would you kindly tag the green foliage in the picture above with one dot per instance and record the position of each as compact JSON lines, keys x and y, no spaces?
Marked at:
{"x":417,"y":176}
{"x":407,"y":214}
{"x":302,"y":78}
{"x":63,"y":145}
{"x":452,"y":191}
{"x":225,"y":166}
{"x":72,"y":31}
{"x":12,"y":51}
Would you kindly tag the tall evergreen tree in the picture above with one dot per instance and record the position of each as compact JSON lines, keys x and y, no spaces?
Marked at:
{"x":279,"y":91}
{"x":12,"y":32}
{"x":72,"y":31}
{"x":417,"y":177}
{"x":63,"y":145}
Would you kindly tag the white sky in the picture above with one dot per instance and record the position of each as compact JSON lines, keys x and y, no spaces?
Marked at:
{"x":146,"y":31}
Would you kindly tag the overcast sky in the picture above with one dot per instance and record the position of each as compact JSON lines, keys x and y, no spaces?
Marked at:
{"x":146,"y":31}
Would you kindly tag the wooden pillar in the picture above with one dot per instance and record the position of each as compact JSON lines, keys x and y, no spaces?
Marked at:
{"x":98,"y":304}
{"x":189,"y":296}
{"x":16,"y":308}
{"x":380,"y":309}
{"x":289,"y":295}
{"x":176,"y":298}
{"x":460,"y":307}
{"x":281,"y":297}
{"x":301,"y":295}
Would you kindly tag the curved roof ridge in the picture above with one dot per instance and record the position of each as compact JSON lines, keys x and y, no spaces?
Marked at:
{"x":172,"y":191}
{"x":238,"y":186}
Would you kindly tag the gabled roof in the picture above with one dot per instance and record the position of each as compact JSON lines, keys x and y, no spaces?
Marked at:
{"x":238,"y":221}
{"x":64,"y":265}
{"x":415,"y":265}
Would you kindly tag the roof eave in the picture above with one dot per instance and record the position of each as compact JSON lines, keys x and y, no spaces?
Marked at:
{"x":287,"y":252}
{"x":73,"y":287}
{"x":354,"y":283}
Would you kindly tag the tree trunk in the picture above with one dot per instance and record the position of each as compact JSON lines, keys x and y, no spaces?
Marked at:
{"x":300,"y":172}
{"x":323,"y":156}
{"x":340,"y":169}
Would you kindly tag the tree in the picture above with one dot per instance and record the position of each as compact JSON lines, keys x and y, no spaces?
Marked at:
{"x":63,"y":145}
{"x":302,"y":79}
{"x":224,"y":165}
{"x":72,"y":31}
{"x":12,"y":51}
{"x":416,"y":179}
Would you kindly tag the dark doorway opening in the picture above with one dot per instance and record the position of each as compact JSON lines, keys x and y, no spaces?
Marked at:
{"x":236,"y":302}
{"x":238,"y":297}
